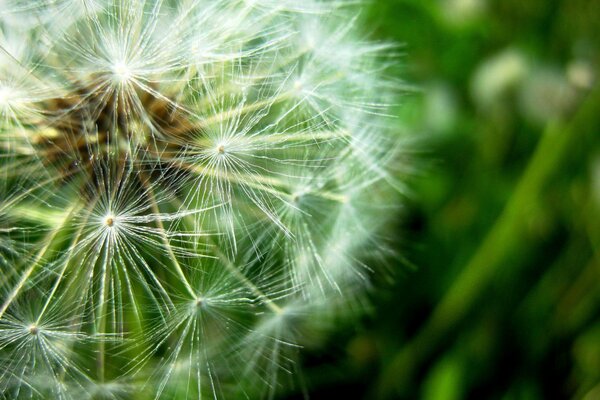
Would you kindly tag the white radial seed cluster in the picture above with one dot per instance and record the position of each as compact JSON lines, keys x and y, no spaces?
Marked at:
{"x":190,"y":192}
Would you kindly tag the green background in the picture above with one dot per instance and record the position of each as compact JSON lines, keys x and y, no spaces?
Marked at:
{"x":497,"y":295}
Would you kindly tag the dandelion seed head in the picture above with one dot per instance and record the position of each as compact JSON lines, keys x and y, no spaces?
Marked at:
{"x":5,"y":94}
{"x":298,"y":85}
{"x":122,"y":72}
{"x":199,"y":302}
{"x":191,"y":185}
{"x":33,"y":329}
{"x":297,"y":196}
{"x":9,"y":97}
{"x":109,"y":220}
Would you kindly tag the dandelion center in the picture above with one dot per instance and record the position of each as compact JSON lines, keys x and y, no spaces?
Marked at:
{"x":33,"y":329}
{"x":109,"y":221}
{"x":91,"y":124}
{"x":5,"y":94}
{"x":122,"y":72}
{"x":298,"y":85}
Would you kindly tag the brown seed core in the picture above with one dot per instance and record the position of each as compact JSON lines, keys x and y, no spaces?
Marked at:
{"x":86,"y":124}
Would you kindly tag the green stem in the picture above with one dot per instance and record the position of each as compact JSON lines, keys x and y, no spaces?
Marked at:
{"x":507,"y":232}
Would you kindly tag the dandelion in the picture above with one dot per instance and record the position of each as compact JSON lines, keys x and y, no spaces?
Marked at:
{"x":186,"y":188}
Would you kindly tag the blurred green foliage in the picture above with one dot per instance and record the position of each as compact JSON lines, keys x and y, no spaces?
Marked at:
{"x":503,"y":222}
